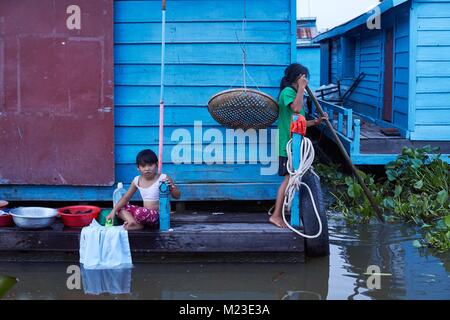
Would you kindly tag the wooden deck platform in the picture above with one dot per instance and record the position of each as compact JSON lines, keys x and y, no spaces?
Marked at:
{"x":201,"y":233}
{"x":373,"y":141}
{"x":364,"y":139}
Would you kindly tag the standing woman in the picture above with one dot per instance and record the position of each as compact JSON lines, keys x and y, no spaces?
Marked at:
{"x":290,"y":102}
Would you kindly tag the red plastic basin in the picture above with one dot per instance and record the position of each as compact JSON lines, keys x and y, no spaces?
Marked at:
{"x":78,"y":216}
{"x":6,"y":220}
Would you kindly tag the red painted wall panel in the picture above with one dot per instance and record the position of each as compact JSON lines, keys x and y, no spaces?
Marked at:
{"x":56,"y":92}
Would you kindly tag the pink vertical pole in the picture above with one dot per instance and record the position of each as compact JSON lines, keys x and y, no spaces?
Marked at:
{"x":161,"y":135}
{"x":161,"y":101}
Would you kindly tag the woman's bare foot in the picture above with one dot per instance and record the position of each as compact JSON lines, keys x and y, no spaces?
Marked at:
{"x":278,"y":221}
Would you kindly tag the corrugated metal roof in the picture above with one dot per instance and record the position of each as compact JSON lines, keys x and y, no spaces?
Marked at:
{"x":306,"y":30}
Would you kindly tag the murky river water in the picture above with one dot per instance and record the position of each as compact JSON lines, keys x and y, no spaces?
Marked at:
{"x":403,"y":273}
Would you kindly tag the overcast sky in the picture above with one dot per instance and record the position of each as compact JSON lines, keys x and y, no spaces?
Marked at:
{"x":331,"y":13}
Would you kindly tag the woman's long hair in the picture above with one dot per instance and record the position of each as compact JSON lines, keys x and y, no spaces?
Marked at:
{"x":291,"y":74}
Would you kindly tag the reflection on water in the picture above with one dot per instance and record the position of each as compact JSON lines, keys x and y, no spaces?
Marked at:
{"x":113,"y":281}
{"x":404,"y":273}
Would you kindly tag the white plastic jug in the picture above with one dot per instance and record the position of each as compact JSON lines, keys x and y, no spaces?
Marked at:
{"x":118,"y":193}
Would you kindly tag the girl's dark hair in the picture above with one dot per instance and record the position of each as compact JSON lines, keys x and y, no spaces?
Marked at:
{"x":146,"y":156}
{"x":291,"y":73}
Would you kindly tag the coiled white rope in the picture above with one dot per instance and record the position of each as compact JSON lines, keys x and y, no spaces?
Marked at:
{"x":295,"y":182}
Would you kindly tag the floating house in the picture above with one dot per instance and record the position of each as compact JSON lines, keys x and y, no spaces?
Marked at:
{"x":80,"y":93}
{"x":308,"y":52}
{"x":400,"y":49}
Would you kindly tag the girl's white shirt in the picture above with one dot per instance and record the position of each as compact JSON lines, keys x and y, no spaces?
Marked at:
{"x":150,"y":193}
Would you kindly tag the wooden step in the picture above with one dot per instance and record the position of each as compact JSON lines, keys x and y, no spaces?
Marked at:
{"x":190,"y":233}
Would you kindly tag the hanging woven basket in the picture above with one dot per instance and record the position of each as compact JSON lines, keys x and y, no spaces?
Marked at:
{"x":243,"y":108}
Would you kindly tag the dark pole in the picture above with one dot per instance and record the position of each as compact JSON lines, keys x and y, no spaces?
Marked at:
{"x":347,"y":158}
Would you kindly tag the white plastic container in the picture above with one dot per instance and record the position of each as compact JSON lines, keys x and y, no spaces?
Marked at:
{"x":118,"y":193}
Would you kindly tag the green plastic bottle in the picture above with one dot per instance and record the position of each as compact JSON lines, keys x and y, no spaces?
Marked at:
{"x":109,"y":223}
{"x":102,"y":218}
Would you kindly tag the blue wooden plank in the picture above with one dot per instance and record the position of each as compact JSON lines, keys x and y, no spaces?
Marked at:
{"x":227,"y":53}
{"x":174,"y":96}
{"x":434,"y":23}
{"x":349,"y":123}
{"x":149,"y":135}
{"x":340,"y":126}
{"x":369,"y":87}
{"x":324,"y":63}
{"x":432,"y":8}
{"x":367,"y":92}
{"x":402,"y":26}
{"x":203,"y":32}
{"x":369,"y":79}
{"x":293,"y":33}
{"x":372,"y":159}
{"x":402,"y":44}
{"x":366,"y":99}
{"x":400,"y":105}
{"x":189,"y":192}
{"x":402,"y":59}
{"x":149,"y":115}
{"x":400,"y":119}
{"x":197,"y":75}
{"x":400,"y":89}
{"x":371,"y":49}
{"x":310,"y":57}
{"x":370,"y":57}
{"x":433,"y":68}
{"x":264,"y":154}
{"x":432,"y":100}
{"x":433,"y":117}
{"x":433,"y":84}
{"x":412,"y":66}
{"x":371,"y":63}
{"x":218,"y":10}
{"x":356,"y":145}
{"x":371,"y":71}
{"x":431,"y":132}
{"x":371,"y":40}
{"x":401,"y":75}
{"x":431,"y":53}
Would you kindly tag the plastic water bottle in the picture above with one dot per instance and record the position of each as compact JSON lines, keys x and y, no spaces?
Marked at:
{"x":164,"y":207}
{"x":118,"y":193}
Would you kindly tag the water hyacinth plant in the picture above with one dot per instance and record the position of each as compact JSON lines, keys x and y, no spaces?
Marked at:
{"x":415,"y":188}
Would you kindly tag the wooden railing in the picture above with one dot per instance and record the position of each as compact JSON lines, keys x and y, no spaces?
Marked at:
{"x":342,"y":120}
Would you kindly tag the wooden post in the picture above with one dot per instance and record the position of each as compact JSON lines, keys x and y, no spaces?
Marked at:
{"x":164,"y":207}
{"x":296,"y":157}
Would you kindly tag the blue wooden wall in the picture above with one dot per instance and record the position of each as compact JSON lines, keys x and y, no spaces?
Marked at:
{"x":203,"y":56}
{"x":369,"y":58}
{"x":334,"y":60}
{"x":421,"y":75}
{"x":430,"y":55}
{"x":309,"y":56}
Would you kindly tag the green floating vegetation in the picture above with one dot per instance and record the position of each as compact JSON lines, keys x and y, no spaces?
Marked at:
{"x":415,"y":188}
{"x":6,"y":283}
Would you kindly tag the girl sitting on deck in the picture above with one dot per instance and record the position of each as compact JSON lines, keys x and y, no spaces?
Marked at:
{"x":290,"y":102}
{"x":147,"y":183}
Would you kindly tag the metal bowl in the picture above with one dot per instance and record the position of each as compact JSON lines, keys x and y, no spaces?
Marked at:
{"x":33,"y":217}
